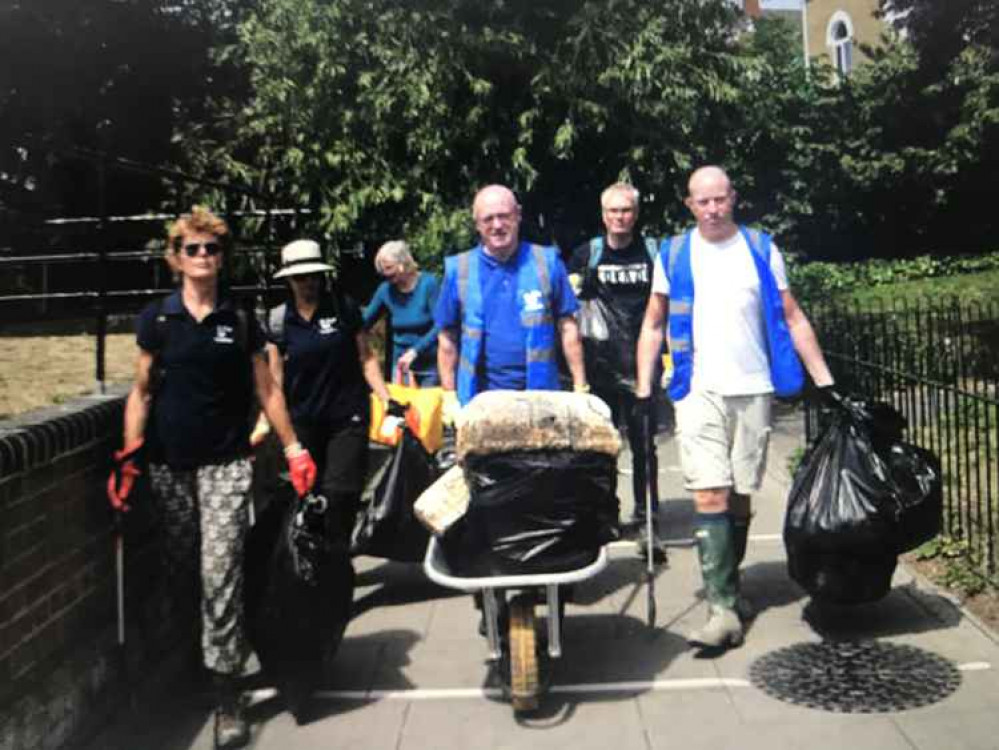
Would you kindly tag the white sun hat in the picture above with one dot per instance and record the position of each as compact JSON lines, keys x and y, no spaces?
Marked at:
{"x":300,"y":257}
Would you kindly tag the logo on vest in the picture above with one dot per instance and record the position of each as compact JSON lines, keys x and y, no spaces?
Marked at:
{"x":327,"y":326}
{"x":534,"y":301}
{"x":223,"y":334}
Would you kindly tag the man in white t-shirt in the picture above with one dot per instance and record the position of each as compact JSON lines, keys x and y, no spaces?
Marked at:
{"x":723,"y":392}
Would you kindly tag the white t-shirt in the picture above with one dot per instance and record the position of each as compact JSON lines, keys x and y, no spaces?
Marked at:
{"x":730,"y":340}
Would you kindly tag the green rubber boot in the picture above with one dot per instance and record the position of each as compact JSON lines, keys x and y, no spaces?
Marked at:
{"x":716,"y":550}
{"x":740,"y":538}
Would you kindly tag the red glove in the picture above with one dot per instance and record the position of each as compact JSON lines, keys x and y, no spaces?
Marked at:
{"x":301,"y":468}
{"x":123,"y":475}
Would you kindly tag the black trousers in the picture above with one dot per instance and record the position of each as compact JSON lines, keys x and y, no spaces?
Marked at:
{"x":340,"y":451}
{"x":622,"y":406}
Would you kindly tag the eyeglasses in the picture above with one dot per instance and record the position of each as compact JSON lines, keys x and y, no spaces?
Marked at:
{"x":191,"y":249}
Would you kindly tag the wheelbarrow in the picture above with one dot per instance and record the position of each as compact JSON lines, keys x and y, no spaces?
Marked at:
{"x":525,"y":657}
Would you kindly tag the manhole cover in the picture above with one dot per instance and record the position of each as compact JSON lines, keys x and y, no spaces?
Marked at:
{"x":855,"y":677}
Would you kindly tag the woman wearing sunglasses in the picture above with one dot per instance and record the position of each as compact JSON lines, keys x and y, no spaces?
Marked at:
{"x":407,"y":296}
{"x":201,"y":360}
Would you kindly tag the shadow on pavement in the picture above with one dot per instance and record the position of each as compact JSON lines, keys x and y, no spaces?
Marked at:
{"x":395,"y":584}
{"x":906,"y":610}
{"x":594,"y":653}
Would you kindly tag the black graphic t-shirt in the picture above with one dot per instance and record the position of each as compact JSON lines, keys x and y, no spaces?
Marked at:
{"x":622,"y":280}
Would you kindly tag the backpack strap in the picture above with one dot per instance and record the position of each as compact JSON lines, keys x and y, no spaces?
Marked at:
{"x":596,"y":252}
{"x":652,"y":248}
{"x":275,"y":323}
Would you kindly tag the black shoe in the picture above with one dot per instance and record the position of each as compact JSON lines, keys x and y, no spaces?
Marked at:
{"x":660,"y":553}
{"x":231,"y":730}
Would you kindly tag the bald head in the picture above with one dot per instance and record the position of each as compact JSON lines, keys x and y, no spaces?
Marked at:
{"x":497,"y":219}
{"x":711,"y":200}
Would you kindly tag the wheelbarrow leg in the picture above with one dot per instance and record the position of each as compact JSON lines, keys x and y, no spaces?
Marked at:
{"x":491,"y":616}
{"x":554,"y":624}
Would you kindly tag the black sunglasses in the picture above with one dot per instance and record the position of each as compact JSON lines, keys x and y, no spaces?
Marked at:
{"x":191,"y":249}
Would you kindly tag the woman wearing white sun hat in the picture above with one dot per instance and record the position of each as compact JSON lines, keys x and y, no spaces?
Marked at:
{"x":318,"y":351}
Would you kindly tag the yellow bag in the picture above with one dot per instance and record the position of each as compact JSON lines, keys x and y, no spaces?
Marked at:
{"x":423,"y":417}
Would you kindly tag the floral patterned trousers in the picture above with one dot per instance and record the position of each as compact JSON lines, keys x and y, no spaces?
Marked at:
{"x":205,"y":516}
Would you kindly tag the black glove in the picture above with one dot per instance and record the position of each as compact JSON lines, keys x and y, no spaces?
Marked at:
{"x":827,"y":397}
{"x":642,"y":408}
{"x":641,"y":417}
{"x":395,"y":409}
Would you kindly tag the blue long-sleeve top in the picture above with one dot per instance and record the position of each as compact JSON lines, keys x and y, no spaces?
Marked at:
{"x":412,"y":315}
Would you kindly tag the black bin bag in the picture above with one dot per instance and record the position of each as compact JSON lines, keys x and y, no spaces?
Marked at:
{"x":387,"y":526}
{"x":608,"y":344}
{"x":534,"y":512}
{"x":299,"y":588}
{"x":860,"y":497}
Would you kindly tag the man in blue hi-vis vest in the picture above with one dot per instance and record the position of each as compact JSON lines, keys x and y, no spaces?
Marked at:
{"x":504,"y":305}
{"x":736,"y":334}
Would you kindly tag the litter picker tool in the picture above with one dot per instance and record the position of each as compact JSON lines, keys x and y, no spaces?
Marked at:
{"x":651,"y":501}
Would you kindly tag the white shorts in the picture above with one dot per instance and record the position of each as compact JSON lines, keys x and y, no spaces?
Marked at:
{"x":723,"y":440}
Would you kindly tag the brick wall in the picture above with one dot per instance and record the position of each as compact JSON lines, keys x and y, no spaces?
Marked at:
{"x":62,"y":671}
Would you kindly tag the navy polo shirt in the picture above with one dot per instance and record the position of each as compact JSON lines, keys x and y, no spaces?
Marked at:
{"x":203,"y":382}
{"x":323,"y":380}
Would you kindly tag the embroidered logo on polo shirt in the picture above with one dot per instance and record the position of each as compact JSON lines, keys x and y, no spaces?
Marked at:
{"x":223,"y":334}
{"x":327,"y":325}
{"x":533,"y":301}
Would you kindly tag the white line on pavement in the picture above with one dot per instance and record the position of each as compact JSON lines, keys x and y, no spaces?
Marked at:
{"x":689,"y":542}
{"x":632,"y":686}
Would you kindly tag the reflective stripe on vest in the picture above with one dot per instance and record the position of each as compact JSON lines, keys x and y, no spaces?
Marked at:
{"x":786,"y":373}
{"x":534,"y":268}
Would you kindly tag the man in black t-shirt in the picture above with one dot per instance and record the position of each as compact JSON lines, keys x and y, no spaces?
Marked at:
{"x":614,"y":275}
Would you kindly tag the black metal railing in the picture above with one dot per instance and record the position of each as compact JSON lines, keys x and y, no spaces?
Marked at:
{"x":937,"y":362}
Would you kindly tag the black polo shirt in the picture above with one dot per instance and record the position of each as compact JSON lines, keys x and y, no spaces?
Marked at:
{"x":323,"y":380}
{"x":202,"y":382}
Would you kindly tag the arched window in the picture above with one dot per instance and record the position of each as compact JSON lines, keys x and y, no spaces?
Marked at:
{"x":839,"y":40}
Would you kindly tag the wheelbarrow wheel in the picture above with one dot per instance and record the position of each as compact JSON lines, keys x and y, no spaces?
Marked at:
{"x":524,"y":682}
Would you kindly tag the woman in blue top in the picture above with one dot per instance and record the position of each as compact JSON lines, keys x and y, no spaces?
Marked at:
{"x":408,"y":296}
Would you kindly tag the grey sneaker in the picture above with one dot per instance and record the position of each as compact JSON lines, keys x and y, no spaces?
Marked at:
{"x":722,"y":630}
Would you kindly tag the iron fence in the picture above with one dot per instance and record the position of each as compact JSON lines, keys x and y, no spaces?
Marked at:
{"x":104,"y":267}
{"x":936,"y":362}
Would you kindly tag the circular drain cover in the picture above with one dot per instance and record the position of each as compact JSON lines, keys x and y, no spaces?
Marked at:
{"x":855,"y":677}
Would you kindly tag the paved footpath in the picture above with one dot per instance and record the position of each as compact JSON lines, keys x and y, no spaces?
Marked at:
{"x":411,"y":673}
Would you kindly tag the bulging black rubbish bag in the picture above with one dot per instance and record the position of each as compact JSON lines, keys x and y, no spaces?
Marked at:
{"x":841,"y":499}
{"x":387,"y":526}
{"x":534,"y":512}
{"x":299,"y":588}
{"x":608,"y":344}
{"x":843,"y":577}
{"x":917,"y":474}
{"x":859,"y":498}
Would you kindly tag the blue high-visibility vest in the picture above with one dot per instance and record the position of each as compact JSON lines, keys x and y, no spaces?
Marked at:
{"x":786,"y":373}
{"x":535,"y":266}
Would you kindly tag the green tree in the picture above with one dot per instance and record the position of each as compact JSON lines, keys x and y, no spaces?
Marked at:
{"x":382,"y":118}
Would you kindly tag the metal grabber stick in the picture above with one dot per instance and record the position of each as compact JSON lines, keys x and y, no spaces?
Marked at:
{"x":652,"y":543}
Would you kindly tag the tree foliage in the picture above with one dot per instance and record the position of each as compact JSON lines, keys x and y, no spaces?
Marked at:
{"x":384,"y":118}
{"x":380,"y":119}
{"x":100,"y":75}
